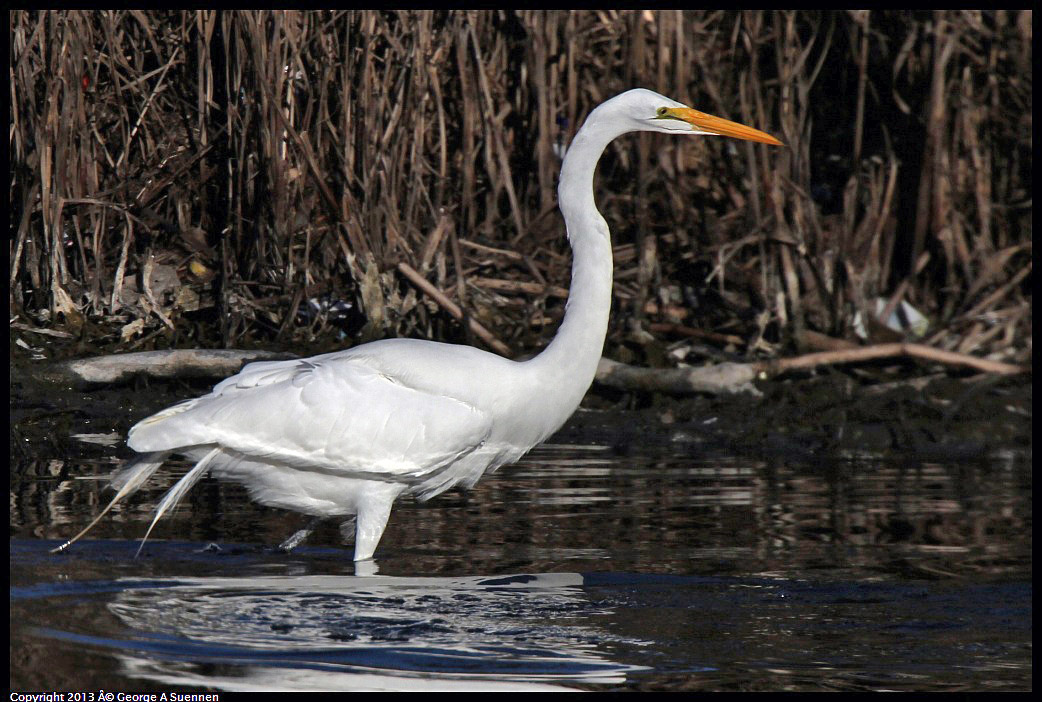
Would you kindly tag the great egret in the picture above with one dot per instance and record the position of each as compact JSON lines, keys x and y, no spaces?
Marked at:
{"x":347,"y":433}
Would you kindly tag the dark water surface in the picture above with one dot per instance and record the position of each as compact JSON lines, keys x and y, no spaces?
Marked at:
{"x":575,"y":569}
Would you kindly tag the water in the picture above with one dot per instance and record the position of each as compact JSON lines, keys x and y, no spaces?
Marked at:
{"x":663,"y":569}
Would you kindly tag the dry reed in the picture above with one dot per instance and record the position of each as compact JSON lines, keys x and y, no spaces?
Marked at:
{"x":225,"y":178}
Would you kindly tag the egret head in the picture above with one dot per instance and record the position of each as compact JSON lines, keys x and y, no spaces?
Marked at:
{"x":647,"y":111}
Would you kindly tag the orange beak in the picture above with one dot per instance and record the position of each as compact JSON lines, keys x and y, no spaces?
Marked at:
{"x":716,"y":125}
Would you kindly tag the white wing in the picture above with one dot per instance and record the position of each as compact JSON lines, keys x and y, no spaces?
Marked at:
{"x":332,"y":413}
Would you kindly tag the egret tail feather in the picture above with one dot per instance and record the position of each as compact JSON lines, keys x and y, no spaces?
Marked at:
{"x":126,"y":482}
{"x":180,"y":488}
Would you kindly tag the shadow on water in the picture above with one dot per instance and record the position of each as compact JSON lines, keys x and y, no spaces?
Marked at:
{"x":577,"y":568}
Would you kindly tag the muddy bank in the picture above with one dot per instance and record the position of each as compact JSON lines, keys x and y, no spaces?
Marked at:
{"x":936,"y":418}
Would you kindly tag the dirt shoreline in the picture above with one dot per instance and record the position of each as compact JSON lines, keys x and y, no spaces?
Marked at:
{"x":834,"y":414}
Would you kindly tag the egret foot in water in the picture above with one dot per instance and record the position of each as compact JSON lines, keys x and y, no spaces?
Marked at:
{"x":298,"y":538}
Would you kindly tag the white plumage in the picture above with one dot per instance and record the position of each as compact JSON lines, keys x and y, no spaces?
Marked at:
{"x":347,"y":433}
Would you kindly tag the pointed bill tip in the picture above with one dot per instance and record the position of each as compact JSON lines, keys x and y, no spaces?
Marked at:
{"x":708,"y":124}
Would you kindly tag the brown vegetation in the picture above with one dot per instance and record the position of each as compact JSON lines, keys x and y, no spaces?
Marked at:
{"x":232,"y":178}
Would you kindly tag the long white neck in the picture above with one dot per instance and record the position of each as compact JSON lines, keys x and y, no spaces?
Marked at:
{"x":567,"y":366}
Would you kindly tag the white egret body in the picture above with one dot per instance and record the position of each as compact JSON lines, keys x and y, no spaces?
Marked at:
{"x":347,"y":433}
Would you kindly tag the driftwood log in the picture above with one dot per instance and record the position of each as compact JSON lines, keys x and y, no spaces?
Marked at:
{"x":180,"y":363}
{"x":721,"y":378}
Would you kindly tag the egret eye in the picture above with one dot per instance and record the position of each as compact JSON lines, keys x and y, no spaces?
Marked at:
{"x":661,"y":112}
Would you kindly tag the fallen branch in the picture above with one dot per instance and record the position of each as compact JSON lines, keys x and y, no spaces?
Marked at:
{"x":507,"y":253}
{"x":452,"y":308}
{"x":683,"y":330}
{"x":723,"y":378}
{"x":734,"y":378}
{"x":179,"y":363}
{"x":869,"y":353}
{"x":46,"y":332}
{"x":518,"y":286}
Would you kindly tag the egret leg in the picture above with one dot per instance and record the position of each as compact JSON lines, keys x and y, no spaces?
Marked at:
{"x":298,"y":538}
{"x":372,"y":518}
